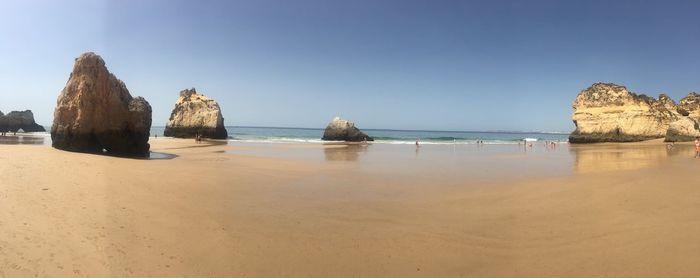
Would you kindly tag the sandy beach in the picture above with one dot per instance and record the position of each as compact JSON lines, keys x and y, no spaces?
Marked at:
{"x":312,"y":210}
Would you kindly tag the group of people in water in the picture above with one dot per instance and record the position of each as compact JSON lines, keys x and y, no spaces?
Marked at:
{"x":553,"y":144}
{"x":547,"y":144}
{"x":478,"y":142}
{"x":550,"y":144}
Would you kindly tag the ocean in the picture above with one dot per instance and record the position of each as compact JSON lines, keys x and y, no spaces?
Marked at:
{"x":386,"y":136}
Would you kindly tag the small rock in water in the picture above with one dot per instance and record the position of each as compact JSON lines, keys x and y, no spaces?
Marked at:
{"x":343,"y":130}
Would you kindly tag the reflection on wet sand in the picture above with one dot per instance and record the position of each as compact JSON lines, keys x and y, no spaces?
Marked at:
{"x":350,"y":152}
{"x":203,"y":144}
{"x":22,"y":140}
{"x":161,"y":156}
{"x":604,"y":158}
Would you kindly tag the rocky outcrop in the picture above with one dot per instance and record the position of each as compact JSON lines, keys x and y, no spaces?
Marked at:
{"x":196,"y":114}
{"x":96,"y":113}
{"x":343,"y":130}
{"x":606,"y":112}
{"x":690,"y":106}
{"x":16,"y":120}
{"x":685,"y":129}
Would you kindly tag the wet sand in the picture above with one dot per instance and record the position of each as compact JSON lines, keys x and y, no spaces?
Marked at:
{"x":24,"y":139}
{"x":285,"y":210}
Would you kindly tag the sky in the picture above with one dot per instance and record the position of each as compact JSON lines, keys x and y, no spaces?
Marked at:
{"x":403,"y":64}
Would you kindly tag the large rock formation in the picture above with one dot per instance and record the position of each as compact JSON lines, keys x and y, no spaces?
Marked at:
{"x":95,"y":113}
{"x":17,"y":120}
{"x":196,"y":114}
{"x":343,"y":130}
{"x":606,"y":112}
{"x":685,"y":129}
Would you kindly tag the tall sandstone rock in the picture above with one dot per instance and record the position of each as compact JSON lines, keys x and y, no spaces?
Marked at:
{"x":343,"y":130}
{"x":606,"y":112}
{"x":17,"y":120}
{"x":96,"y":113}
{"x":196,"y":114}
{"x":687,"y":127}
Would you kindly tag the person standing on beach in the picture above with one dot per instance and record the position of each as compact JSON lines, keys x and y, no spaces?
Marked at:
{"x":697,"y":147}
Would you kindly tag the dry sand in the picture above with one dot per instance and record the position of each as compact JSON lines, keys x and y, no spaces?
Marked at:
{"x":626,"y":210}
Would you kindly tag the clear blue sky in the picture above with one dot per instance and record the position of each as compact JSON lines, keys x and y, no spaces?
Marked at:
{"x":443,"y":65}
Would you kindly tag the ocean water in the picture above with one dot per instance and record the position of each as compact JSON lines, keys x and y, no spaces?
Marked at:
{"x":386,"y":136}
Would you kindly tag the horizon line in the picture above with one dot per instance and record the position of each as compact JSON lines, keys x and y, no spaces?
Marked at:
{"x":393,"y":129}
{"x":48,"y":128}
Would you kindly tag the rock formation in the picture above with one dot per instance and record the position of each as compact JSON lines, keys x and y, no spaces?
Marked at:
{"x":343,"y":130}
{"x":95,"y":113}
{"x":690,"y":106}
{"x":606,"y":112}
{"x":196,"y":114}
{"x":16,"y":120}
{"x":685,"y":129}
